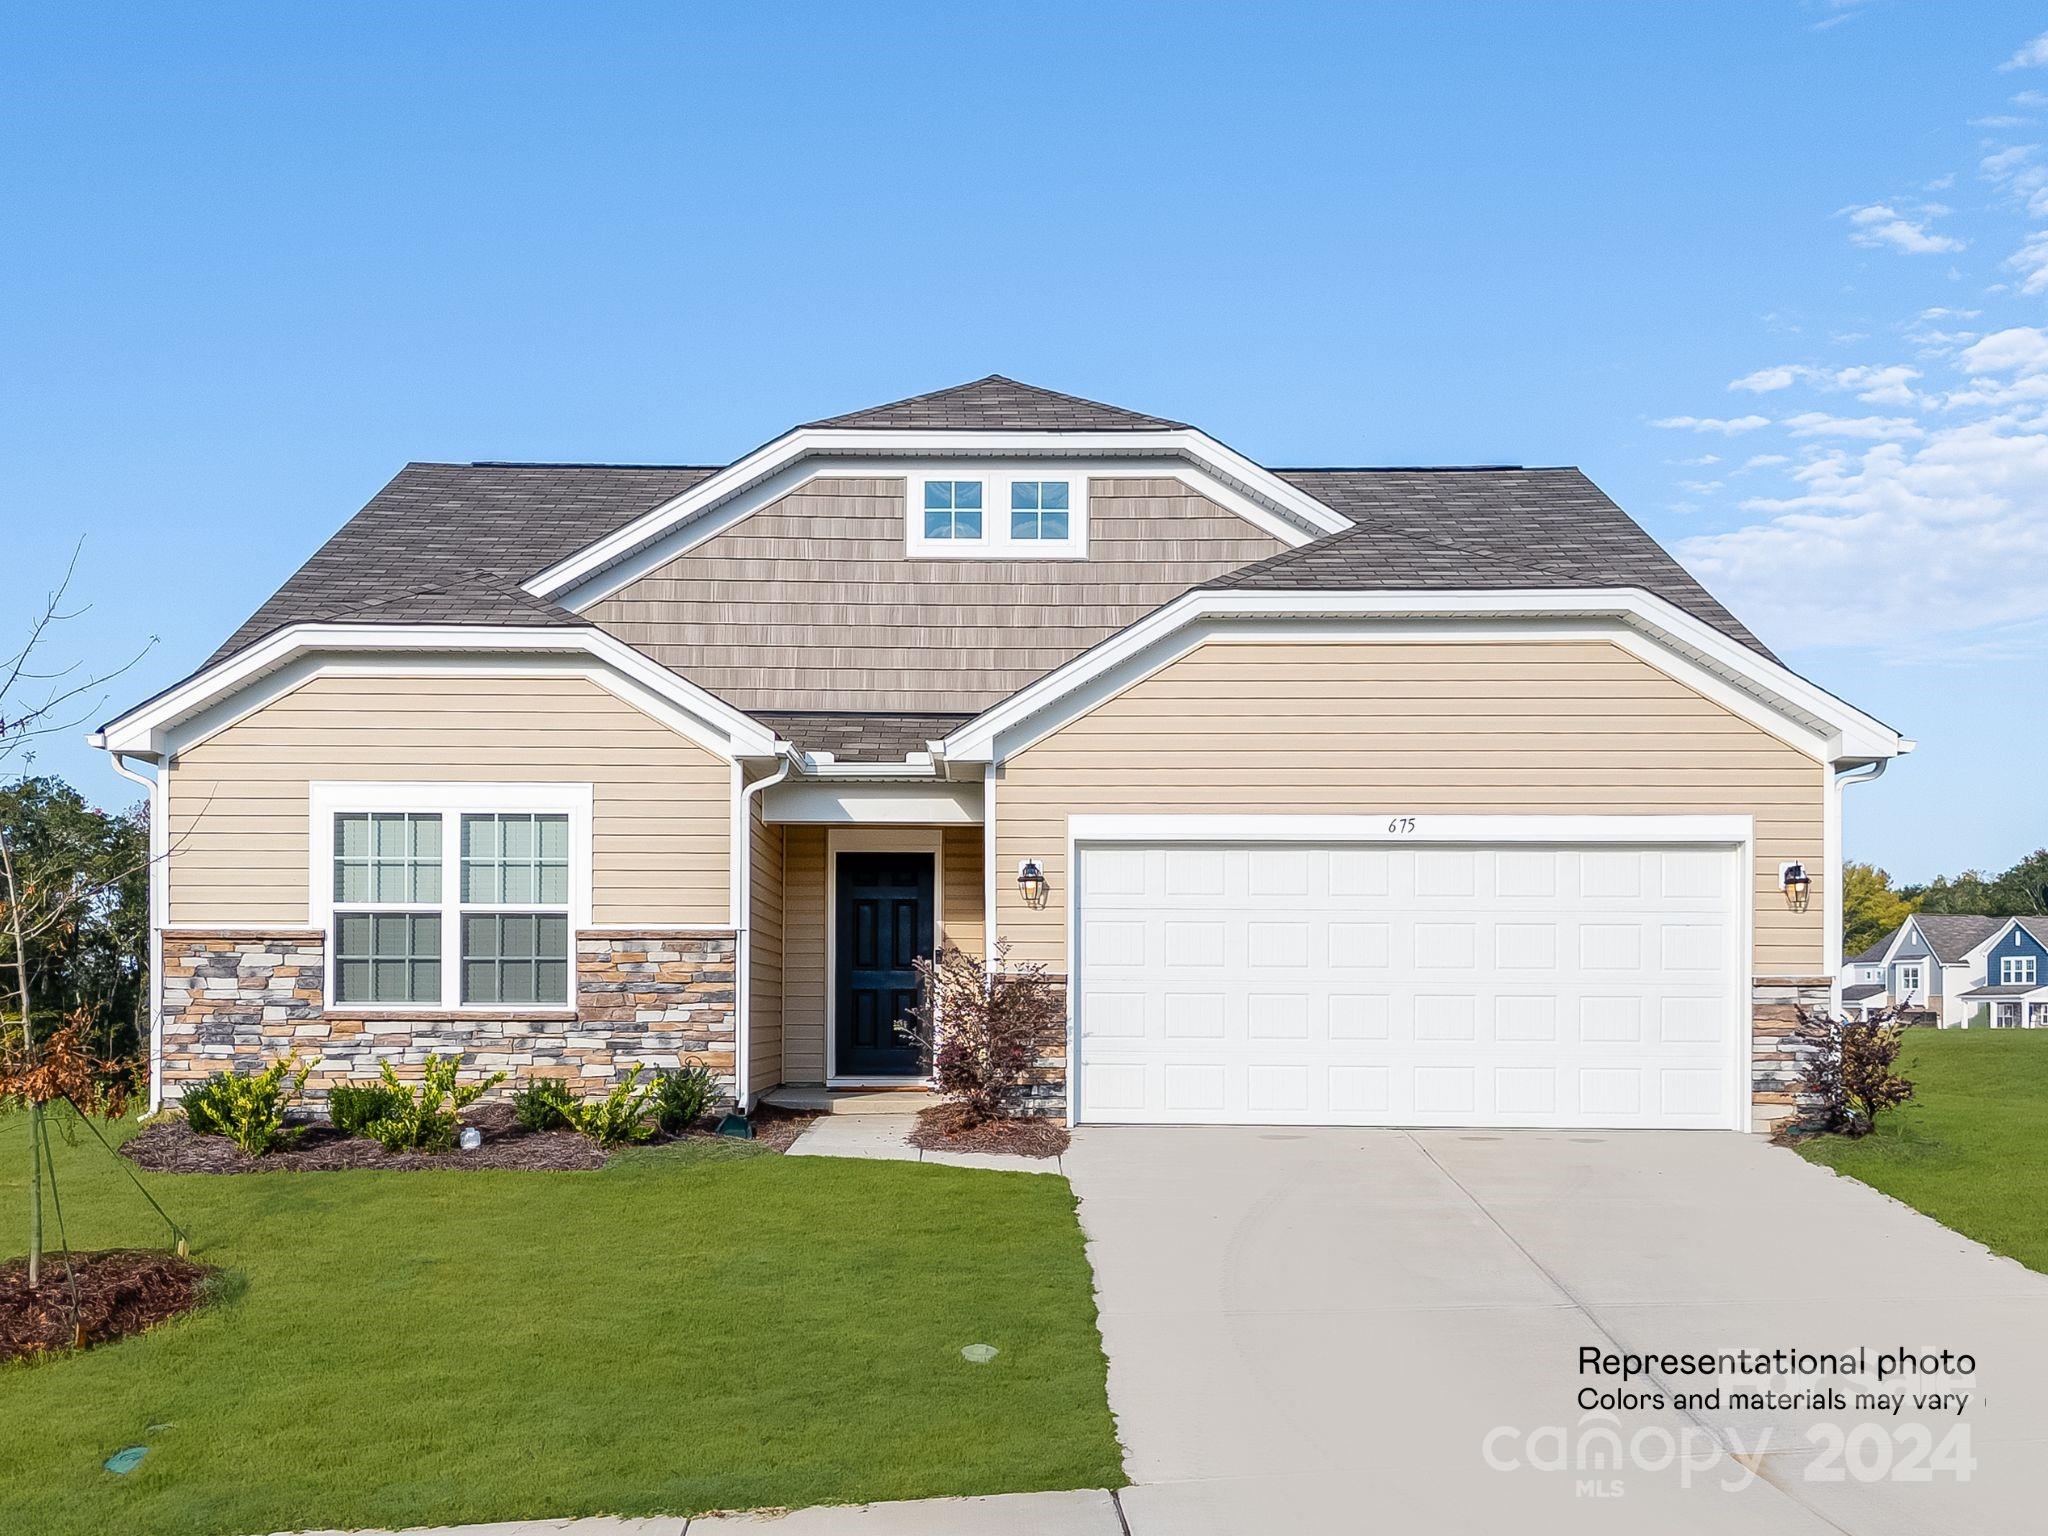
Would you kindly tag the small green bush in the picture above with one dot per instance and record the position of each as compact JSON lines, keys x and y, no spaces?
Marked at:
{"x":543,"y":1104}
{"x":248,"y":1109}
{"x":424,"y":1116}
{"x":682,"y":1096}
{"x":354,"y":1107}
{"x":619,"y":1117}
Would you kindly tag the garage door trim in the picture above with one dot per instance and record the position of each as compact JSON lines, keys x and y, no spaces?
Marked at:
{"x":1734,"y":833}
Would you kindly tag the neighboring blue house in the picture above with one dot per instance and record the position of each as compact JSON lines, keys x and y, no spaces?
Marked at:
{"x":1928,"y":964}
{"x":2014,"y":993}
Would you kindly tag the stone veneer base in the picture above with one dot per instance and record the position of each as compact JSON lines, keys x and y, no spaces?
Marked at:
{"x":240,"y":998}
{"x":1777,"y":1060}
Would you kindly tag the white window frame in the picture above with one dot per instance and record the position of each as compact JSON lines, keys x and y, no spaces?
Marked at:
{"x":1918,"y":975}
{"x":995,"y":542}
{"x":2017,"y":970}
{"x":328,"y":799}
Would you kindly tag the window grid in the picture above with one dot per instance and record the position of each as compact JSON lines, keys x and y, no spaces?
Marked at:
{"x":499,"y":895}
{"x":952,"y":509}
{"x":2017,"y":970}
{"x":1038,"y":510}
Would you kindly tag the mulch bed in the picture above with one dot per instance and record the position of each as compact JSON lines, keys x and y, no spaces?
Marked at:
{"x":955,"y":1128}
{"x":776,"y":1127}
{"x":171,"y":1146}
{"x":119,"y":1292}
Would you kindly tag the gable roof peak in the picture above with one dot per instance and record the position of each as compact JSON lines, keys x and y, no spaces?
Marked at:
{"x":999,"y":403}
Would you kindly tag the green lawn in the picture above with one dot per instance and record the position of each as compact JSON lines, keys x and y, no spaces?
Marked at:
{"x":1972,"y":1149}
{"x":710,"y":1326}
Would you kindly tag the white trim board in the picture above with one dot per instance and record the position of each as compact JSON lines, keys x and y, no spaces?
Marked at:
{"x":772,"y":471}
{"x":1746,"y":683}
{"x":189,"y":712}
{"x":1734,"y":834}
{"x":840,"y":840}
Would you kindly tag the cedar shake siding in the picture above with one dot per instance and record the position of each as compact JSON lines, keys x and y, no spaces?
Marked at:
{"x":812,"y":604}
{"x":1483,"y":727}
{"x":661,"y":817}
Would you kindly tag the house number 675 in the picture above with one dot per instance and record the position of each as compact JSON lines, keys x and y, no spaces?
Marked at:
{"x":1401,"y":826}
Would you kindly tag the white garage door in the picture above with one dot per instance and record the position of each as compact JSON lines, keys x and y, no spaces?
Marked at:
{"x":1404,"y":985}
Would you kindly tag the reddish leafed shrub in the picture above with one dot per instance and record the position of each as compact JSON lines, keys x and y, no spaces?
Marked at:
{"x":986,"y":1026}
{"x":1849,"y":1078}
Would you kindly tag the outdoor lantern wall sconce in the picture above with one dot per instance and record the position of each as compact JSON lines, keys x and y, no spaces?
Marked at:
{"x":1031,"y":882}
{"x":1798,"y":885}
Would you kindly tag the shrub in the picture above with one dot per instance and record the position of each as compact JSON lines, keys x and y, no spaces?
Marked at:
{"x":619,"y":1117}
{"x":249,"y":1109}
{"x":986,"y":1027}
{"x":354,"y":1107}
{"x":1849,"y":1079}
{"x":423,"y":1118}
{"x":682,"y":1096}
{"x":543,"y":1104}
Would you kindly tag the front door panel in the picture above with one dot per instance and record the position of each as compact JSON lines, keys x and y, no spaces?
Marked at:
{"x":885,"y":923}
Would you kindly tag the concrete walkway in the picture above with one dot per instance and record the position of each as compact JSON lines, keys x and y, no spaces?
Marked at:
{"x":881,"y":1135}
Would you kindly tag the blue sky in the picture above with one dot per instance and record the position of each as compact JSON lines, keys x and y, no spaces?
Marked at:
{"x":1774,"y":274}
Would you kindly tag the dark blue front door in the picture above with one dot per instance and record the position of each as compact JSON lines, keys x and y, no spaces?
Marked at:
{"x":885,"y":924}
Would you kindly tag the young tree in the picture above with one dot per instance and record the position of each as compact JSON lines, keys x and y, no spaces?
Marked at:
{"x":38,"y":700}
{"x":1850,"y":1076}
{"x":986,"y":1026}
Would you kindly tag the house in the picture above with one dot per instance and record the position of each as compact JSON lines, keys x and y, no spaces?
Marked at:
{"x":2012,"y":989}
{"x":1929,"y":964}
{"x":1329,"y":795}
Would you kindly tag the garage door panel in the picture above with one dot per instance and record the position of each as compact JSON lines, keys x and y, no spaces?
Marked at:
{"x":1457,"y":986}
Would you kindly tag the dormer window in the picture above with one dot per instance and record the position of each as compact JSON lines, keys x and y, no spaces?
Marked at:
{"x":1023,"y":513}
{"x":952,"y":509}
{"x":1038,"y":510}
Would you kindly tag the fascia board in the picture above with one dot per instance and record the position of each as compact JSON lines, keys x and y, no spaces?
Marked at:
{"x":579,"y":571}
{"x":1827,"y":728}
{"x":160,"y":725}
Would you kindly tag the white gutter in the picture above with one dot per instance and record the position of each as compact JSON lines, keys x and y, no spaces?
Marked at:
{"x":1832,"y":958}
{"x":159,"y":873}
{"x":743,"y":928}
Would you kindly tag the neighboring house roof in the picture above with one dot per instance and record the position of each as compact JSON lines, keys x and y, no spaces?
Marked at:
{"x":1875,"y":954}
{"x":1477,"y":528}
{"x":1951,"y":937}
{"x":860,"y":737}
{"x":2007,"y":989}
{"x":1857,"y":993}
{"x":997,"y":404}
{"x":450,"y":544}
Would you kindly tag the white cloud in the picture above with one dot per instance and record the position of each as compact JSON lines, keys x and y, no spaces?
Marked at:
{"x":1820,"y":424}
{"x":1764,"y":380}
{"x":1699,"y":463}
{"x":1879,"y":225}
{"x":2031,"y":262}
{"x":1764,"y":460}
{"x":2020,"y":349}
{"x":2031,"y":56}
{"x":1941,"y":539}
{"x":2035,"y":99}
{"x":1700,"y":487}
{"x":1879,"y":385}
{"x":1727,"y":427}
{"x":2006,"y":120}
{"x":2001,"y":163}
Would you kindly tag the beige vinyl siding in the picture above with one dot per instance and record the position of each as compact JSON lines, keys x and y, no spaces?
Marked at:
{"x":764,"y":954}
{"x":805,"y":915}
{"x":661,"y":818}
{"x":1479,"y":728}
{"x":803,"y":955}
{"x":960,"y":919}
{"x":812,"y":603}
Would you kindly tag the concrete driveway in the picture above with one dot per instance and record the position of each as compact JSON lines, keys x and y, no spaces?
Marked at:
{"x":1325,"y":1330}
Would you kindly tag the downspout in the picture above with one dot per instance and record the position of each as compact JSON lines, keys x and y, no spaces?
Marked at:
{"x":1833,"y":916}
{"x":743,"y":936}
{"x":158,"y":875}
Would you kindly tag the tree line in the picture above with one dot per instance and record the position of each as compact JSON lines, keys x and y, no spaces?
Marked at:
{"x":1872,"y":907}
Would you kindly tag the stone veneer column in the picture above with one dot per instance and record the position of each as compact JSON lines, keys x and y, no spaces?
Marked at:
{"x":238,"y":999}
{"x":1777,"y":1061}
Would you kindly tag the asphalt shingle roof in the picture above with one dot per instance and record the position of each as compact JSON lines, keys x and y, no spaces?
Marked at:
{"x":1861,"y":990}
{"x":1461,"y":529}
{"x":451,"y":543}
{"x":999,"y":404}
{"x":861,"y":737}
{"x":2005,"y":989}
{"x":1950,"y":936}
